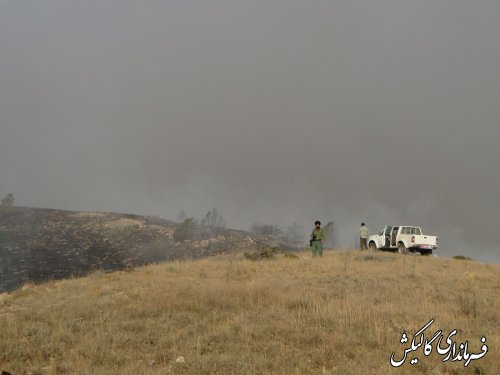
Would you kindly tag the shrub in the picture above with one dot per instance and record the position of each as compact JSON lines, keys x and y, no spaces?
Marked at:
{"x":36,"y":245}
{"x":265,"y":252}
{"x":7,"y":203}
{"x":461,"y":257}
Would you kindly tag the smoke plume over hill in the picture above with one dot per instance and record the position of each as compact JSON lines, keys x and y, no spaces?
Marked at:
{"x":272,"y":111}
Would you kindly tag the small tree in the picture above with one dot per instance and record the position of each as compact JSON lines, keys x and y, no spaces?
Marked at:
{"x":182,"y":216}
{"x":185,"y":230}
{"x":7,"y":203}
{"x":212,"y":220}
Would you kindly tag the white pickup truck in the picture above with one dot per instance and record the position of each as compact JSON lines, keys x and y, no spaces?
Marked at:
{"x":404,"y":239}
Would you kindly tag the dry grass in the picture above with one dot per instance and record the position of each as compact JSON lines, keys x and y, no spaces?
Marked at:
{"x":342,"y":314}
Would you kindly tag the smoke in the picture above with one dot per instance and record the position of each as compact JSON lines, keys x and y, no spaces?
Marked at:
{"x":277,"y":112}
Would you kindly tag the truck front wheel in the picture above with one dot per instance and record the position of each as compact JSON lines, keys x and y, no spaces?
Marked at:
{"x":402,"y":249}
{"x":373,"y":246}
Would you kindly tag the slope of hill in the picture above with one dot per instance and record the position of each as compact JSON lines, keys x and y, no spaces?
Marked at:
{"x":40,"y":244}
{"x":342,"y":314}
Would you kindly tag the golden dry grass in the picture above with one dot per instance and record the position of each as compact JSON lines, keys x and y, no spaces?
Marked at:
{"x":342,"y":314}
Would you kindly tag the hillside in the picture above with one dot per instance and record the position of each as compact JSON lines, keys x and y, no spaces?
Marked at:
{"x":40,"y":244}
{"x":342,"y":314}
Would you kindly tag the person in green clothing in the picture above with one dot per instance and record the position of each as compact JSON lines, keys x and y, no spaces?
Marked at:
{"x":317,"y":240}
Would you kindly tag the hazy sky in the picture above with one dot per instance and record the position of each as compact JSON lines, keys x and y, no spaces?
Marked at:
{"x":272,"y":111}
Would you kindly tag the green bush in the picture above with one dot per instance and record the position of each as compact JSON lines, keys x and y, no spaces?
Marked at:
{"x":461,"y":257}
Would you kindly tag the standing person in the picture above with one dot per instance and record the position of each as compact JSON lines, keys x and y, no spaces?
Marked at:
{"x":317,"y":239}
{"x":363,"y":237}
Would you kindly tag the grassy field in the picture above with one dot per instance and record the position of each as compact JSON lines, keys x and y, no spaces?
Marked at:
{"x":342,"y":314}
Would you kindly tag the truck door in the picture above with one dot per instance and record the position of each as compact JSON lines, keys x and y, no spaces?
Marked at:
{"x":387,"y":235}
{"x":394,"y":235}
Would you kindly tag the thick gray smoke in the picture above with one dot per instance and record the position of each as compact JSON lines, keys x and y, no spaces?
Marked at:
{"x":272,"y":111}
